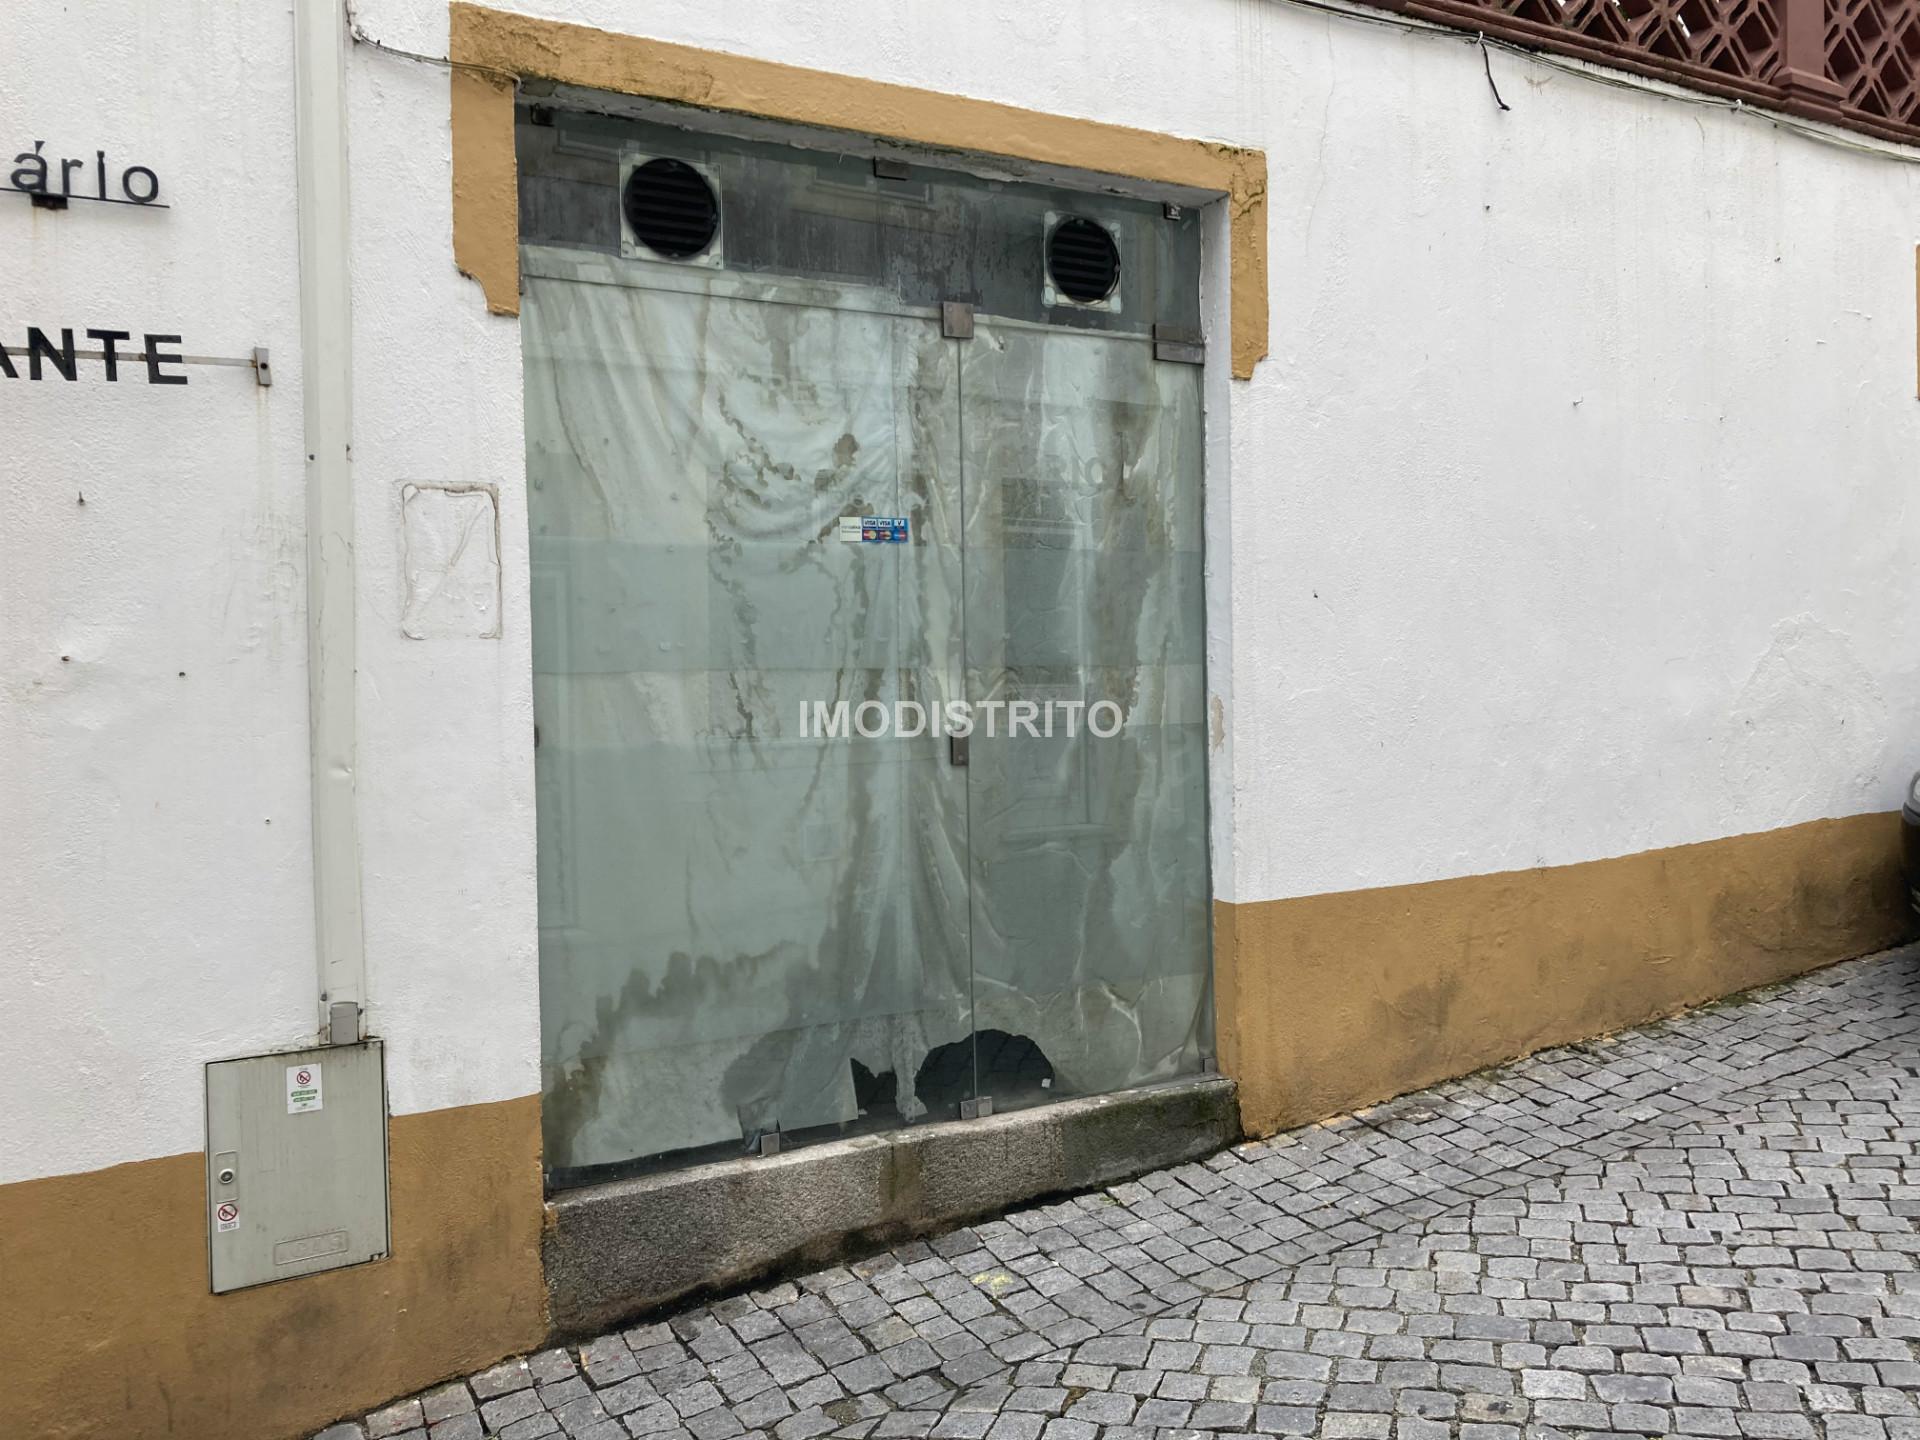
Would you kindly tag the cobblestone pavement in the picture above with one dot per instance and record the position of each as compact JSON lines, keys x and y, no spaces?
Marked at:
{"x":1703,"y":1227}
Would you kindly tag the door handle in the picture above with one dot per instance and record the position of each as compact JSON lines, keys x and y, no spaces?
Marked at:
{"x":957,"y":748}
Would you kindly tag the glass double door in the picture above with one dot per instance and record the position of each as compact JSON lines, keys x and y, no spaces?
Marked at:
{"x":785,"y":535}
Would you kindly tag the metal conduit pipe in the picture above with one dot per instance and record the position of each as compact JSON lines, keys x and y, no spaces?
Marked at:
{"x":326,"y":372}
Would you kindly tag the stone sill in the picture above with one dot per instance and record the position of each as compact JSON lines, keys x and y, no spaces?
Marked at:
{"x":615,"y":1251}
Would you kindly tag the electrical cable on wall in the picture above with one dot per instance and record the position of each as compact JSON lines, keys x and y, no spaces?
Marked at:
{"x":1487,"y":65}
{"x":360,"y":37}
{"x":1590,"y":71}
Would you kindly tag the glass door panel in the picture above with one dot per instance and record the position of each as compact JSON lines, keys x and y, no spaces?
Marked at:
{"x":1083,"y":583}
{"x":745,"y":925}
{"x":752,"y":921}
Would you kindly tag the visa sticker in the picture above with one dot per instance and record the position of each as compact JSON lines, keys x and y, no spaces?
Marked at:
{"x":874,"y":529}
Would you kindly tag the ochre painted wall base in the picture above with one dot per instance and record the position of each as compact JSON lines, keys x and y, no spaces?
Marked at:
{"x":1330,"y":1002}
{"x":108,"y":1330}
{"x":1326,"y":1003}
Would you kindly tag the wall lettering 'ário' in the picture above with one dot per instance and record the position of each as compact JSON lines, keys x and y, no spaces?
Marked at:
{"x":51,"y":179}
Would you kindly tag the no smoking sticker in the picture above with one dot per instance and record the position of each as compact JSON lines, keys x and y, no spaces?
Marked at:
{"x":226,"y":1216}
{"x":303,"y":1089}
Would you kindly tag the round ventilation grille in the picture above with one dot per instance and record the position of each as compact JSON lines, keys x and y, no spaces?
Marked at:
{"x":1083,"y":260}
{"x":671,"y":208}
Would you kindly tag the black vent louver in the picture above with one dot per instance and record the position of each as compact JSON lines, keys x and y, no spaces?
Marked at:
{"x":671,"y":208}
{"x":1083,"y":260}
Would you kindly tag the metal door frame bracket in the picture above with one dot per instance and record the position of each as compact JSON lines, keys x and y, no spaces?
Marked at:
{"x":1178,"y":346}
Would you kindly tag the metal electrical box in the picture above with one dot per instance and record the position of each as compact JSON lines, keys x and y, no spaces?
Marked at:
{"x":296,"y":1163}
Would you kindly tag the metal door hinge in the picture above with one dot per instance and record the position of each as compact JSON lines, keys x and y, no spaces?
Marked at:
{"x":886,"y":169}
{"x":956,"y":319}
{"x":959,"y":751}
{"x":978,"y":1109}
{"x":1178,"y":346}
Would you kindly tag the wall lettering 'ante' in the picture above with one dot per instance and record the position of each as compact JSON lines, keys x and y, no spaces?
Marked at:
{"x":44,"y":358}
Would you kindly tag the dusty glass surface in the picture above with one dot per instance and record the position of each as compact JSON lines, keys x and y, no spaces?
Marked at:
{"x":732,"y":915}
{"x":745,"y":927}
{"x":1083,"y":588}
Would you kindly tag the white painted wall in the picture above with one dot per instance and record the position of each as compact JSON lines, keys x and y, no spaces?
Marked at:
{"x":1573,"y":504}
{"x":155,"y":890}
{"x":1567,"y":519}
{"x":446,"y":743}
{"x":155,"y":866}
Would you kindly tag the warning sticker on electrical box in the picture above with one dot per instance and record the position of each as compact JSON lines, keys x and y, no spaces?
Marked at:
{"x":226,"y":1216}
{"x":303,"y":1089}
